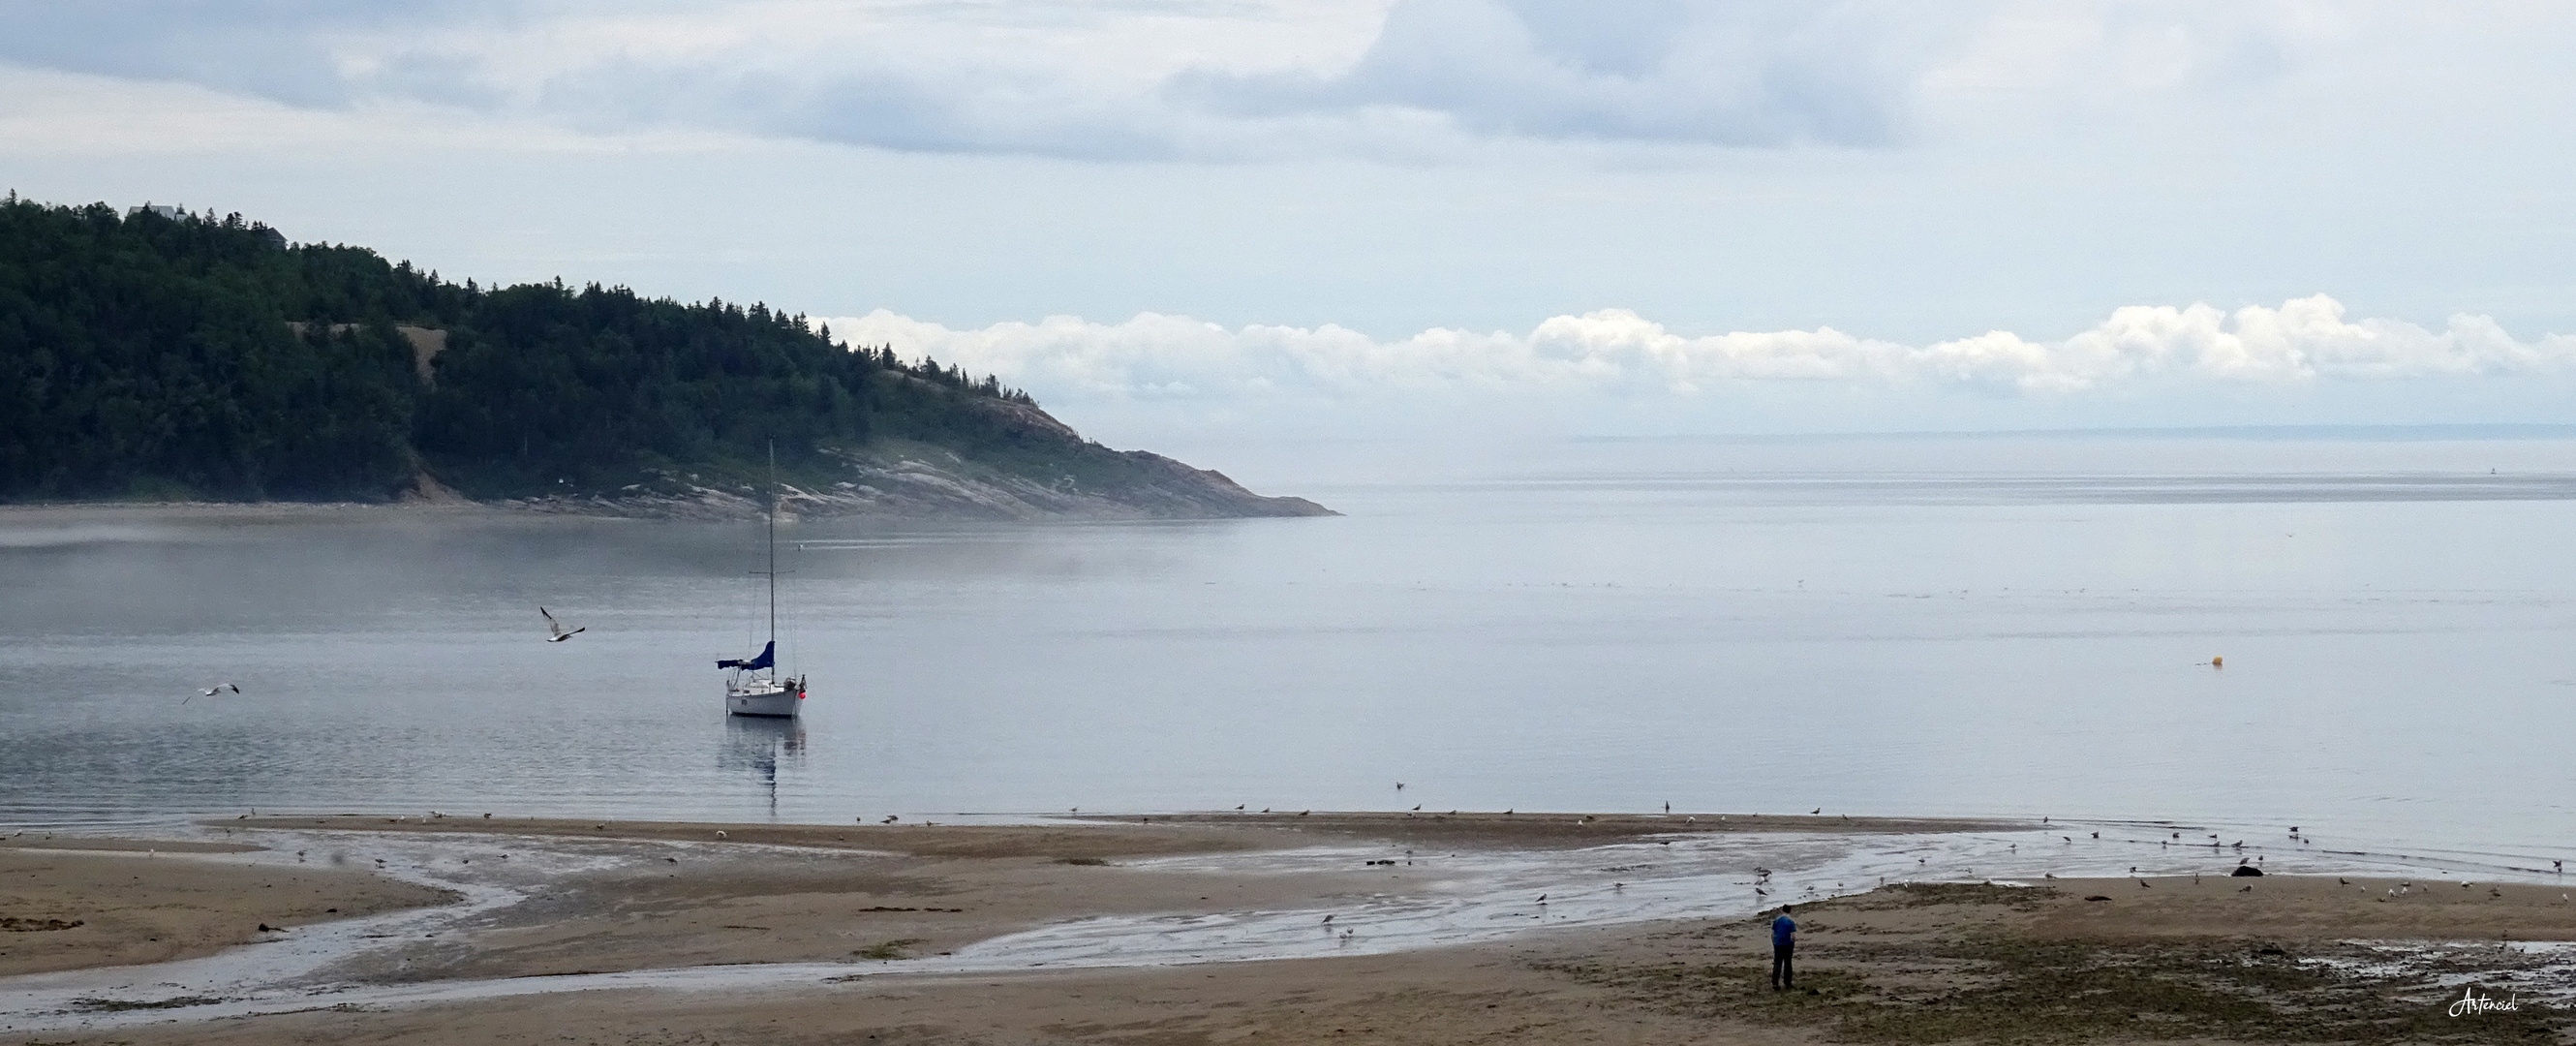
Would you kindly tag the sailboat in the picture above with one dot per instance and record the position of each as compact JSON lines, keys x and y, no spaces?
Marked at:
{"x":755,"y":687}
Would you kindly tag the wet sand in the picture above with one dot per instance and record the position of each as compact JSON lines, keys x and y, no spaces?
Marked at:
{"x":1922,"y":964}
{"x":1142,"y":835}
{"x":2223,"y":959}
{"x":737,"y":903}
{"x":109,"y":902}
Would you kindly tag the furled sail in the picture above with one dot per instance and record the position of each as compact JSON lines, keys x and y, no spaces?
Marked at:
{"x":768,"y":656}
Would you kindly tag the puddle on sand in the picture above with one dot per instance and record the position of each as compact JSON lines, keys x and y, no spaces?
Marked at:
{"x":1448,"y":899}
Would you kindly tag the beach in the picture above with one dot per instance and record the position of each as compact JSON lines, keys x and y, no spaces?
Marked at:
{"x":846,"y":915}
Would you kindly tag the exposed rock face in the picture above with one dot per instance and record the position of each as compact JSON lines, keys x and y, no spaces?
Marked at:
{"x":1063,"y":477}
{"x":927,"y":483}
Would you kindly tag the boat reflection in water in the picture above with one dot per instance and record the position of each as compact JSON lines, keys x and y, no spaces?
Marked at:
{"x":760,"y":746}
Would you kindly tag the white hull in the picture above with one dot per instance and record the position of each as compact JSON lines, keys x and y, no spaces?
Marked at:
{"x":765,"y":698}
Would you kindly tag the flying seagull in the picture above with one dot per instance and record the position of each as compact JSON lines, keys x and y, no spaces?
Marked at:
{"x":210,"y":692}
{"x":557,"y":628}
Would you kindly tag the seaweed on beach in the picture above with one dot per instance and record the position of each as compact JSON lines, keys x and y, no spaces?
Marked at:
{"x":889,"y":950}
{"x":103,"y":1005}
{"x":2004,"y":988}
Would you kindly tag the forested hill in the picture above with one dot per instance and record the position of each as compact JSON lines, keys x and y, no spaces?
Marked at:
{"x":205,"y":357}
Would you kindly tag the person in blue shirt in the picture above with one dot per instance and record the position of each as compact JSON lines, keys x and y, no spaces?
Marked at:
{"x":1784,"y":943}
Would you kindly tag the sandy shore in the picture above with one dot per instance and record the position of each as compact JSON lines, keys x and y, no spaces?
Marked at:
{"x":110,"y":902}
{"x":1141,"y":835}
{"x":2274,"y":958}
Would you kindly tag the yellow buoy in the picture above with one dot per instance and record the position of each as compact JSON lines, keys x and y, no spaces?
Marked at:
{"x":2217,"y":662}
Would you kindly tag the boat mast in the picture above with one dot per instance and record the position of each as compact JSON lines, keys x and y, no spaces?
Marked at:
{"x":771,"y":512}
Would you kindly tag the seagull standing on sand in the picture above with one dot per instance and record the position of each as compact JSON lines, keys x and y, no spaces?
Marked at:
{"x":556,"y":627}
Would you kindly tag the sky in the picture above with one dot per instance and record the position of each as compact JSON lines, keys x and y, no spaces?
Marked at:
{"x":1197,"y":225}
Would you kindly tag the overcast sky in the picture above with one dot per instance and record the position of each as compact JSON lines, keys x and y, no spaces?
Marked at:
{"x":1176,"y":220}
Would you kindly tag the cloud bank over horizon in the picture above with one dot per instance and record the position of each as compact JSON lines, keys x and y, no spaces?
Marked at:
{"x":1155,"y":357}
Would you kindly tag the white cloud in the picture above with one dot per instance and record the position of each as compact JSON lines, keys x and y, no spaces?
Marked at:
{"x":1733,"y":74}
{"x":1231,"y":79}
{"x":1616,"y":351}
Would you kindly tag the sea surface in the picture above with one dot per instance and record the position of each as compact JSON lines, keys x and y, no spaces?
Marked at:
{"x":1978,"y":626}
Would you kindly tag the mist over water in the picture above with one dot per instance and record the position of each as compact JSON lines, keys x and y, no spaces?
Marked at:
{"x":2002,"y":626}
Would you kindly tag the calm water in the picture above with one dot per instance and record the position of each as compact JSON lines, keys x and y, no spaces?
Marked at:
{"x":1967,"y":626}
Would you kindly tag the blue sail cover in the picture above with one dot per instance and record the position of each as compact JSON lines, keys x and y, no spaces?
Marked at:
{"x":768,"y":656}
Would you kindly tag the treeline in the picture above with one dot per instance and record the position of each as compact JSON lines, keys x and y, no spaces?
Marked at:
{"x":205,"y":357}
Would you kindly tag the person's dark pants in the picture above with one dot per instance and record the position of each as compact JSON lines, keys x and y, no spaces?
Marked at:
{"x":1781,"y":976}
